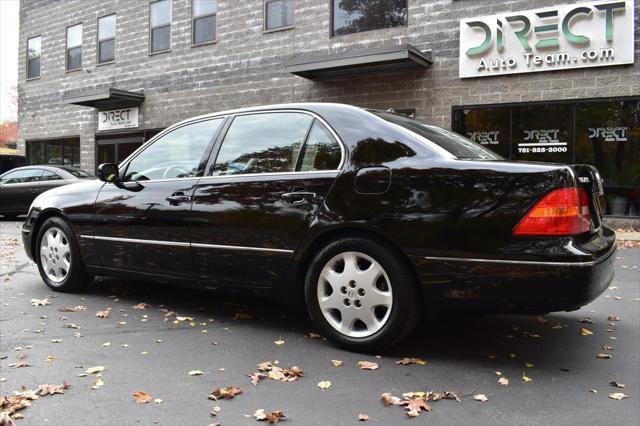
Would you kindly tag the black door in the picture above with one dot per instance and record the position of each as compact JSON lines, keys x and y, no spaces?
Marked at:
{"x":265,"y":186}
{"x":142,"y":223}
{"x":18,"y":189}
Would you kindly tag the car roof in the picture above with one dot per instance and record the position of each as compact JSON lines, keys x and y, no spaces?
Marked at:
{"x":305,"y":106}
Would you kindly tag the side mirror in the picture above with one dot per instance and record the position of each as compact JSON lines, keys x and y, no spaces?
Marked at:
{"x":108,"y":172}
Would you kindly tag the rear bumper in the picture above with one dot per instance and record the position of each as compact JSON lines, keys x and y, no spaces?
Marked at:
{"x":511,"y":286}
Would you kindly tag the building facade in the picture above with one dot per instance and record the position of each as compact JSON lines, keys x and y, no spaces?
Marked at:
{"x":97,"y":78}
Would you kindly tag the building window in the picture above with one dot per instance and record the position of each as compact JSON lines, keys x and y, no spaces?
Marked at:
{"x":603,"y":133}
{"x":61,"y":152}
{"x":160,"y":25}
{"x":107,"y":39}
{"x":34,"y":45}
{"x":204,"y":21}
{"x":278,"y":14}
{"x":74,"y":47}
{"x":350,"y":16}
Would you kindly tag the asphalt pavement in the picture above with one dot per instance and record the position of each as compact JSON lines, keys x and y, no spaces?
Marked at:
{"x":554,"y":374}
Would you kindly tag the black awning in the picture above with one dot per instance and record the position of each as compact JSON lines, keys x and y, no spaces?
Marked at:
{"x":358,"y":61}
{"x":104,"y":98}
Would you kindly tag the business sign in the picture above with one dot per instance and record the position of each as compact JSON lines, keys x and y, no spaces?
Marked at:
{"x":125,"y":118}
{"x":593,"y":34}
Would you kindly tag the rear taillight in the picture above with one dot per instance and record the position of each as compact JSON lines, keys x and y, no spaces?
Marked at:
{"x":563,"y":211}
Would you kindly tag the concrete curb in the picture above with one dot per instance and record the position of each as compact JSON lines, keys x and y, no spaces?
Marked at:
{"x":628,"y":236}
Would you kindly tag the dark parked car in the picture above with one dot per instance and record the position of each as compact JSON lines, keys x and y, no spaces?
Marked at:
{"x":20,"y":186}
{"x":367,"y":217}
{"x":10,"y":161}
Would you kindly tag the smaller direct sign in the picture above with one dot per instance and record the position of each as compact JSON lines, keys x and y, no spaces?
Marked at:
{"x":118,"y":119}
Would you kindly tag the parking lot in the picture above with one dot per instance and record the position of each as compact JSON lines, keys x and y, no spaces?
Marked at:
{"x":179,"y":345}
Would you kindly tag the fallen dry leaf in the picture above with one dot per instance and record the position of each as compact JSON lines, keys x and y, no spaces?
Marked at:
{"x":363,"y":417}
{"x":269,"y":370}
{"x":480,"y":397}
{"x":586,"y":321}
{"x":19,"y":365}
{"x":613,"y":318}
{"x":225,"y":393}
{"x":196,"y":373}
{"x":617,"y":396}
{"x":407,"y":361}
{"x":242,"y":316}
{"x":503,"y":381}
{"x":279,"y":342}
{"x":94,"y":370}
{"x":585,"y":332}
{"x":71,"y":325}
{"x":47,"y":389}
{"x":388,"y":399}
{"x":617,"y":385}
{"x":417,"y":404}
{"x":325,"y":384}
{"x":368,"y":365}
{"x":312,"y":335}
{"x":214,"y":411}
{"x":526,"y":379}
{"x":73,"y":309}
{"x":141,"y":397}
{"x":336,"y":362}
{"x":271,"y":417}
{"x":103,"y":314}
{"x":40,"y":302}
{"x":604,"y":356}
{"x":141,"y":306}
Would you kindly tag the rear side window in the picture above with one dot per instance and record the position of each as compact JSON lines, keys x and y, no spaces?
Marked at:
{"x":47,"y":175}
{"x":22,"y":176}
{"x":321,"y":151}
{"x":459,"y":146}
{"x":262,"y":143}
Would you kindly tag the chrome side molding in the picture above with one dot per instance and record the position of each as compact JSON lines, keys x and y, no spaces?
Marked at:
{"x":509,"y":262}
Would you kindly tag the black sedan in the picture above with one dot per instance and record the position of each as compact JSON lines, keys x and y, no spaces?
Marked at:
{"x":366,"y":217}
{"x":20,"y":186}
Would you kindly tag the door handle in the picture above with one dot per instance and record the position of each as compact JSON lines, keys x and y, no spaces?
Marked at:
{"x":298,"y":197}
{"x":178,"y":198}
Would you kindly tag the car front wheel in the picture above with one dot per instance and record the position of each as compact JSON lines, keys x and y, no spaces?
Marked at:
{"x":362,"y":295}
{"x":58,"y":257}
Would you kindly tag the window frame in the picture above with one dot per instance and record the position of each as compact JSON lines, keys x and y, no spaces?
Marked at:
{"x":204,"y":159}
{"x":225,"y":127}
{"x":114,"y":38}
{"x":39,"y":57}
{"x":332,"y":33}
{"x":266,"y":30}
{"x":67,"y":48}
{"x":193,"y":27}
{"x":151,"y":28}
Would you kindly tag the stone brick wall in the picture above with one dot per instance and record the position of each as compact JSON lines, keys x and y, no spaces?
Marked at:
{"x":245,"y":66}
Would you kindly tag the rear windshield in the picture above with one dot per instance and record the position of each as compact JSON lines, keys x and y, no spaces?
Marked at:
{"x":76,"y":172}
{"x":459,"y":146}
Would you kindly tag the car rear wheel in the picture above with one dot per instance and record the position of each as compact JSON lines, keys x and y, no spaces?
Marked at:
{"x":59,"y":261}
{"x":362,"y":295}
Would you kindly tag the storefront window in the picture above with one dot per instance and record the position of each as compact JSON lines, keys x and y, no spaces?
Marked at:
{"x":60,"y":152}
{"x":608,"y":136}
{"x":488,"y":127}
{"x":605,"y":134}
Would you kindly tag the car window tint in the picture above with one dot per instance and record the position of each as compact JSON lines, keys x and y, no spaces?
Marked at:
{"x":47,"y":175}
{"x":77,"y":172}
{"x":262,"y":143}
{"x":321,"y":152}
{"x":457,"y":145}
{"x":22,"y":176}
{"x":175,"y":155}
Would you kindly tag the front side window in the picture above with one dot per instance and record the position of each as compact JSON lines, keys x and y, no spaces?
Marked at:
{"x":160,"y":25}
{"x":21,"y":176}
{"x":204,"y":21}
{"x":353,"y":16}
{"x":262,"y":143}
{"x":34,"y":45}
{"x":74,"y":47}
{"x":278,"y":14}
{"x":106,"y":39}
{"x":175,"y":155}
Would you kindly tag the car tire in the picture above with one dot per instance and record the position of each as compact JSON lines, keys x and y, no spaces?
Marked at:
{"x":58,"y":257}
{"x":376,"y":303}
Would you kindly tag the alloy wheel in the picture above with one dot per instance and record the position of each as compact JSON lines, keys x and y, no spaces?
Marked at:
{"x":355,"y":294}
{"x":55,"y":254}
